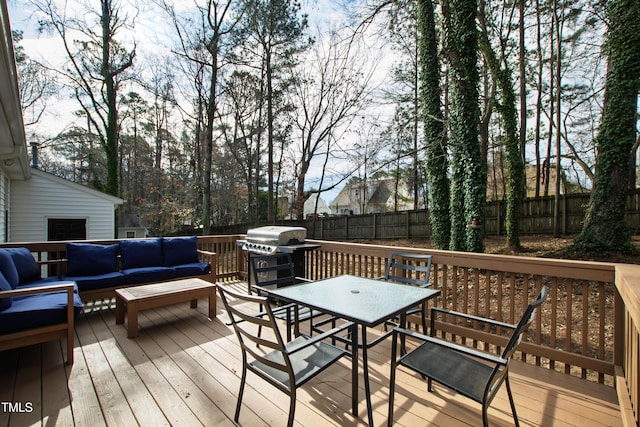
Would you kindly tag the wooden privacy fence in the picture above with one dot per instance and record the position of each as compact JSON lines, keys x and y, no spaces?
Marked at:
{"x":536,"y":217}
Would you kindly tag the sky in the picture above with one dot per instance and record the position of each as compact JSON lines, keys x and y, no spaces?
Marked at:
{"x":152,"y":39}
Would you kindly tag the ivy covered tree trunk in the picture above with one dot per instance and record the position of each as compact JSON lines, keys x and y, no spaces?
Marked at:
{"x":433,"y":121}
{"x":604,"y":228}
{"x":470,"y":174}
{"x":514,"y":173}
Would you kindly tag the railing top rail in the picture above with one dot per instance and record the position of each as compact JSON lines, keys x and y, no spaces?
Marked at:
{"x":572,"y":269}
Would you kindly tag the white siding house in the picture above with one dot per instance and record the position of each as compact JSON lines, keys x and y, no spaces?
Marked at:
{"x":42,"y":201}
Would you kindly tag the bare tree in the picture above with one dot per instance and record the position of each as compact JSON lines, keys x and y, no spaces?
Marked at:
{"x":97,"y":65}
{"x":201,"y":43}
{"x":333,"y":88}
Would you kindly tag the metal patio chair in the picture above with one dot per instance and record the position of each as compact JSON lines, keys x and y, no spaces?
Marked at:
{"x":288,"y":365}
{"x":471,"y":372}
{"x":275,"y":271}
{"x":410,"y":269}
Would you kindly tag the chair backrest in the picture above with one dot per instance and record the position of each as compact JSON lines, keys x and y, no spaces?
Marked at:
{"x":527,"y":319}
{"x":257,"y":334}
{"x":412,"y":269}
{"x":272,"y":271}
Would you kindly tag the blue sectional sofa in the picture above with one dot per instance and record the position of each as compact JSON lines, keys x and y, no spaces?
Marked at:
{"x":34,"y":309}
{"x":100,"y":269}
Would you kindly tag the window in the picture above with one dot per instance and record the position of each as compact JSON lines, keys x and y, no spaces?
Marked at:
{"x":66,"y":229}
{"x":131,"y":234}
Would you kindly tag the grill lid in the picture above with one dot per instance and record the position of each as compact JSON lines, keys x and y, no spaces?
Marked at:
{"x":277,"y":235}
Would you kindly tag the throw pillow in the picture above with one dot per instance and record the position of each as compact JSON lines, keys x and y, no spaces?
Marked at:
{"x":180,"y":250}
{"x":8,"y":268}
{"x":28,"y":269}
{"x":89,"y":259}
{"x":5,"y":286}
{"x":141,"y":253}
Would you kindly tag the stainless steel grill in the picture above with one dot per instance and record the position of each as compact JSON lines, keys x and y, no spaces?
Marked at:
{"x":270,"y":240}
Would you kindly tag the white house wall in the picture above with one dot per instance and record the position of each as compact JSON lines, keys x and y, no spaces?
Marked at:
{"x":4,"y":205}
{"x":44,"y":197}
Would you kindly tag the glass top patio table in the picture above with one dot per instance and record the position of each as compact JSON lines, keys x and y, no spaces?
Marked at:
{"x":366,"y":302}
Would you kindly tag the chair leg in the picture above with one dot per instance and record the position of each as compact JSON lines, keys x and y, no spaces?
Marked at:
{"x":241,"y":391}
{"x":513,"y":405}
{"x":292,"y":407}
{"x":392,"y":380}
{"x":485,"y":419}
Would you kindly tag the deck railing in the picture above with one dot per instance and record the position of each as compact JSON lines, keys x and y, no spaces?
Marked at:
{"x":589,"y":326}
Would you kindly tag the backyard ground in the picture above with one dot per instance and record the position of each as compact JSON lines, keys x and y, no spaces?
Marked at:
{"x":534,"y":246}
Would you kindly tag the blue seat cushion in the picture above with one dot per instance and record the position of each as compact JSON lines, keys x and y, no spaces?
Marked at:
{"x":8,"y":268}
{"x":107,"y":280}
{"x":33,"y":311}
{"x":148,"y":274}
{"x":192,"y":269}
{"x":5,"y":286}
{"x":87,"y":259}
{"x":25,"y":263}
{"x":141,"y":253}
{"x":180,"y":250}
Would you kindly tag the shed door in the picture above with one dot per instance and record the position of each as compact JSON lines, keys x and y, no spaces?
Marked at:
{"x":67,"y":229}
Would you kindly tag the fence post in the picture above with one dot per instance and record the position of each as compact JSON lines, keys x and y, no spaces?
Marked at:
{"x":375,"y":226}
{"x":564,"y":214}
{"x":499,"y":215}
{"x":346,"y":227}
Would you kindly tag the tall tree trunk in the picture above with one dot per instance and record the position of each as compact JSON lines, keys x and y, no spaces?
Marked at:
{"x":523,"y":94}
{"x":434,"y":131}
{"x":111,"y":133}
{"x":271,"y":212}
{"x":507,"y":107}
{"x":538,"y":98}
{"x":558,"y":119}
{"x":604,"y":227}
{"x":470,"y":174}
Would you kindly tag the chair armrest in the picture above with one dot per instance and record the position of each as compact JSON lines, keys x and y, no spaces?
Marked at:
{"x":470,"y":317}
{"x":38,"y":290}
{"x":489,"y":357}
{"x":316,"y":338}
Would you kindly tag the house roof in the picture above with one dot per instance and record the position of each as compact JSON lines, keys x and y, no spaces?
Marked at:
{"x":13,"y":147}
{"x":77,"y":187}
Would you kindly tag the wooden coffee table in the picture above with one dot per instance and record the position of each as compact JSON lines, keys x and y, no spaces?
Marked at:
{"x":137,"y":298}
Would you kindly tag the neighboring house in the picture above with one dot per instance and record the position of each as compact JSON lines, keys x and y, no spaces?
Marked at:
{"x":310,"y":206}
{"x":371,"y":197}
{"x":285,"y":207}
{"x":35,"y":205}
{"x":131,"y":226}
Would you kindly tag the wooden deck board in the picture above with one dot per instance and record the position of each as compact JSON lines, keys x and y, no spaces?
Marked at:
{"x":183,"y":369}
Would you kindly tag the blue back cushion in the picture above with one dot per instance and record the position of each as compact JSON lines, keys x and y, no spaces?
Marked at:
{"x":180,"y":250}
{"x":8,"y":268}
{"x":25,"y":263}
{"x":5,"y":286}
{"x":88,"y":259}
{"x":141,"y":253}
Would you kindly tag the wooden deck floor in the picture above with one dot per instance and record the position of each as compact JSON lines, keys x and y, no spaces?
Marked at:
{"x":183,"y":369}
